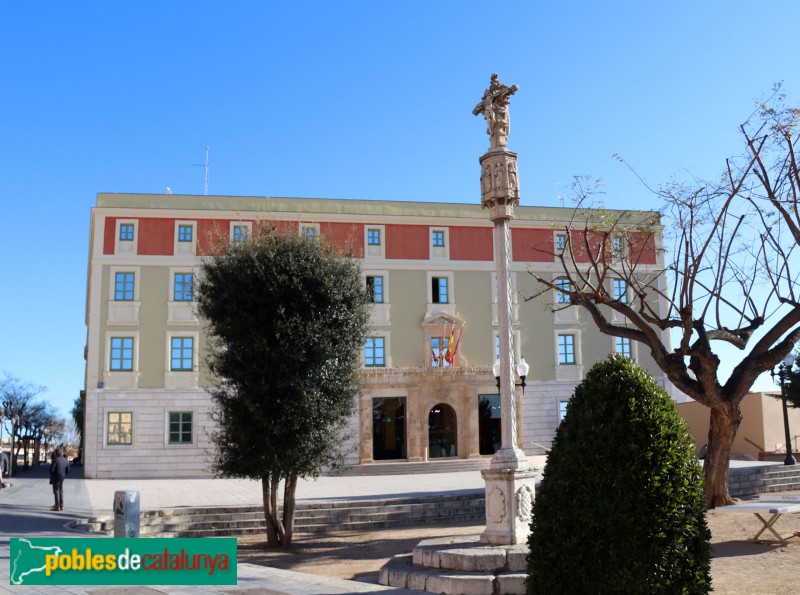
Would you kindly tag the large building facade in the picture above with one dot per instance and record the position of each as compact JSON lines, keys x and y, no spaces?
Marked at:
{"x":428,"y":391}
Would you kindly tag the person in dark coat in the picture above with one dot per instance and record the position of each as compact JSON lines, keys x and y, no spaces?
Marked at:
{"x":58,"y":472}
{"x":4,"y":465}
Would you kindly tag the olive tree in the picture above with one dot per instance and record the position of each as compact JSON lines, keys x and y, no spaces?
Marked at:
{"x":286,"y":319}
{"x":730,"y":276}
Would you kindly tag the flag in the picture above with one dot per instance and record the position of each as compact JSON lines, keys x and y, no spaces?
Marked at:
{"x":441,"y":348}
{"x":449,"y":354}
{"x":458,"y":342}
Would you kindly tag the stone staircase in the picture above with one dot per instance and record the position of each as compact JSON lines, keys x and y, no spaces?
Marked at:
{"x":310,"y":517}
{"x":407,"y":468}
{"x":747,"y":481}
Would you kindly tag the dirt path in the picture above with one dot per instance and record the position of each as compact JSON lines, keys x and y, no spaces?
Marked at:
{"x":738,"y":567}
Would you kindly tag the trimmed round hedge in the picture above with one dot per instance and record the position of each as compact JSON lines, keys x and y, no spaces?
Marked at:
{"x":621,"y":507}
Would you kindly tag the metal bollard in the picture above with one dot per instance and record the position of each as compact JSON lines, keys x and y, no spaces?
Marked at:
{"x":126,"y":514}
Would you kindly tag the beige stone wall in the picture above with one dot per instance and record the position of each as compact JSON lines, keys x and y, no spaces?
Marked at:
{"x":761,"y":427}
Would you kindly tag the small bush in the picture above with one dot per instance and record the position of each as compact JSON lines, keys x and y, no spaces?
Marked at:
{"x":620,"y":508}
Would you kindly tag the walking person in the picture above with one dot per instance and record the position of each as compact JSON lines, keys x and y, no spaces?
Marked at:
{"x":58,"y":472}
{"x":4,"y":465}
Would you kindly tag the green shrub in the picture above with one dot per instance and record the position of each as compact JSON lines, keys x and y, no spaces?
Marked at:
{"x":620,"y":508}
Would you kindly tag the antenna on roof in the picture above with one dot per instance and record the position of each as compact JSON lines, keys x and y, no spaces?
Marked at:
{"x":205,"y":166}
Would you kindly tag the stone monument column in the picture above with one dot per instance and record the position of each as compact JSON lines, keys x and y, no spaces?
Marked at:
{"x":509,"y":480}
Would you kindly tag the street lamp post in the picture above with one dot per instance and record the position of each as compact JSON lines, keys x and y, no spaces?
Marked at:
{"x":783,"y":370}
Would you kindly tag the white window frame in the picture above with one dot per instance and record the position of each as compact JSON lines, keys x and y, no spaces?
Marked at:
{"x":562,"y":298}
{"x":193,"y":442}
{"x":124,"y":312}
{"x":632,"y":344}
{"x":106,"y":411}
{"x":380,"y":312}
{"x":181,"y":312}
{"x":617,"y":316}
{"x":387,"y":349}
{"x":440,"y":252}
{"x":372,"y":251}
{"x":304,"y":225}
{"x":186,"y":249}
{"x":572,"y":372}
{"x":120,"y":379}
{"x":618,"y":245}
{"x":127,"y":246}
{"x":565,"y":334}
{"x":565,"y":404}
{"x":435,"y":308}
{"x":248,"y":225}
{"x":556,"y":249}
{"x":182,"y":378}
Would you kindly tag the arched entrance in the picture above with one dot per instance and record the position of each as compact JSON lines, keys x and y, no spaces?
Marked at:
{"x":442,"y":432}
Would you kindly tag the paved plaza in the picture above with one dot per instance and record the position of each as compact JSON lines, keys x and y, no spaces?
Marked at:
{"x":25,"y":511}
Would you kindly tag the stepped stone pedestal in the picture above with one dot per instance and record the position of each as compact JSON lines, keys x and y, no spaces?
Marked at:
{"x":459,"y":565}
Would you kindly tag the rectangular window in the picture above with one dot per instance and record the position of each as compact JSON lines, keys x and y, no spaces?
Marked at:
{"x":185,"y":233}
{"x":121,"y":354}
{"x":561,"y":242}
{"x":308,"y":231}
{"x":374,"y":353}
{"x":374,"y":237}
{"x":617,"y":245}
{"x":439,"y":347}
{"x":563,"y":287}
{"x":437,"y":239}
{"x":566,"y":350}
{"x":180,"y":427}
{"x":123,"y":287}
{"x":439,"y":290}
{"x":182,"y":354}
{"x":621,"y":291}
{"x":562,"y":410}
{"x":184,"y":286}
{"x":375,"y":289}
{"x":126,"y":232}
{"x":239,"y":233}
{"x":622,"y":345}
{"x":120,"y":428}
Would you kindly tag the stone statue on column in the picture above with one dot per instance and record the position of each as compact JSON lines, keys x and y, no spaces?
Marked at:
{"x":494,"y":107}
{"x":510,"y":487}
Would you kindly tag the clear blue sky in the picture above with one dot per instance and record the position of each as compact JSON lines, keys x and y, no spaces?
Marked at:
{"x":368,"y":100}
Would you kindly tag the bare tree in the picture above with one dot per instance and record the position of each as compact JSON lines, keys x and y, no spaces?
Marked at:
{"x":17,"y":400}
{"x":730,"y":276}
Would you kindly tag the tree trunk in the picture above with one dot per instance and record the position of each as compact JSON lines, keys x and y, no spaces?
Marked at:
{"x":270,"y":515}
{"x":288,"y":509}
{"x":722,"y":430}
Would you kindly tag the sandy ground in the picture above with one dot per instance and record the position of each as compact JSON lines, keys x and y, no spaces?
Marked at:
{"x":739,"y":566}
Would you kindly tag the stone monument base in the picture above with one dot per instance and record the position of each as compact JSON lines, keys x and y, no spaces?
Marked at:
{"x":509,"y":505}
{"x":460,"y":565}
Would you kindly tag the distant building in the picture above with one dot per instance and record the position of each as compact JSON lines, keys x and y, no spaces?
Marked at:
{"x":760,"y":435}
{"x":429,"y":269}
